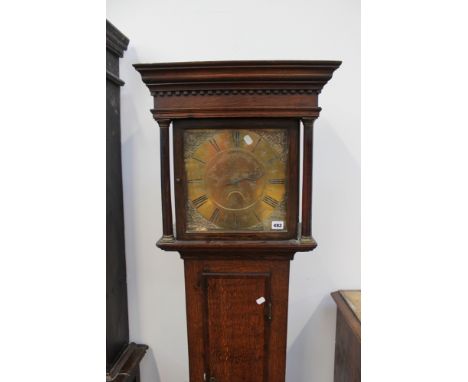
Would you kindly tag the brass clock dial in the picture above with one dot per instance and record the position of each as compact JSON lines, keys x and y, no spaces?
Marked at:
{"x":236,"y":179}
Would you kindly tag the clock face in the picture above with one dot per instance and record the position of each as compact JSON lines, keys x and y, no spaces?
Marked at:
{"x":236,"y":179}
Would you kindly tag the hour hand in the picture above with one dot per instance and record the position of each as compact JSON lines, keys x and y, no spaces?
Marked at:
{"x":233,"y":182}
{"x":254,"y":177}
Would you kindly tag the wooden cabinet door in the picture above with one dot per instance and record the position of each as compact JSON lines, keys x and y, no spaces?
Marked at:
{"x":237,"y":326}
{"x":233,"y":335}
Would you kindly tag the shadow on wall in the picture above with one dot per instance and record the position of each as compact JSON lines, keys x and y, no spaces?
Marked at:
{"x":149,"y":369}
{"x":336,"y":209}
{"x":139,"y":224}
{"x":315,"y":342}
{"x":335,"y":264}
{"x":134,"y":135}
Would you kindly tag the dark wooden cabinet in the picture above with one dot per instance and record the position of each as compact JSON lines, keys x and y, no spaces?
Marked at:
{"x":348,"y":336}
{"x":236,"y":133}
{"x":122,"y":357}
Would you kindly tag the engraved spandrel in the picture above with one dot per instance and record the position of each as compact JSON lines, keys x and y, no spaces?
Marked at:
{"x":278,"y":139}
{"x":194,"y":138}
{"x":197,"y":223}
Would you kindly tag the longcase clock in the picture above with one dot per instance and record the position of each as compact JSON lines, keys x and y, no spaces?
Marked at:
{"x":236,"y":129}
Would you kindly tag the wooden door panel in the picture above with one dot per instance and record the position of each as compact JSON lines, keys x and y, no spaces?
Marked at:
{"x":222,"y":313}
{"x":236,"y":327}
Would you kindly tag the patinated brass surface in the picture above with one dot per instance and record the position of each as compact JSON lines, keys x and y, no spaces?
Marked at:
{"x":236,"y":179}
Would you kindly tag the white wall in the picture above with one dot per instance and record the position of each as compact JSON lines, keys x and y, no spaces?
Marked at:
{"x":164,"y":31}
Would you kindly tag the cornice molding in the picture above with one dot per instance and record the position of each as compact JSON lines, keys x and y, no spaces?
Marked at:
{"x":215,"y":92}
{"x":238,"y":112}
{"x":241,"y":74}
{"x":116,"y":41}
{"x":113,"y":78}
{"x":236,"y":88}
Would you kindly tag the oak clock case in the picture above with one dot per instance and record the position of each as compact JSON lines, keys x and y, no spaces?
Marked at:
{"x":236,"y":179}
{"x":236,"y":128}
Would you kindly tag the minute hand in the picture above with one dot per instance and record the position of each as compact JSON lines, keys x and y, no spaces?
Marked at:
{"x":252,"y":178}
